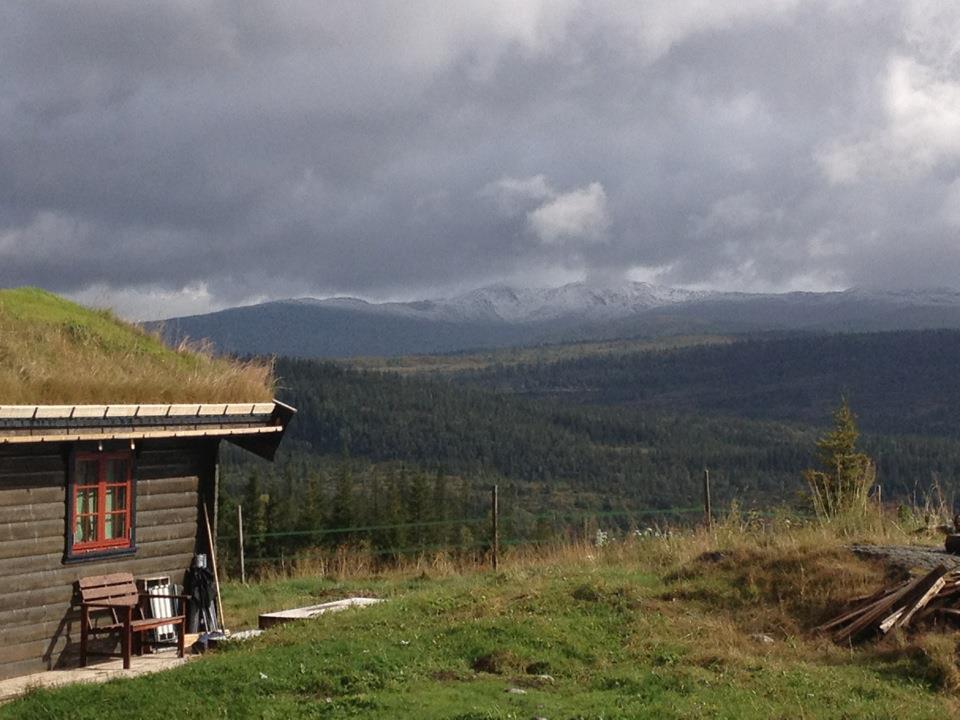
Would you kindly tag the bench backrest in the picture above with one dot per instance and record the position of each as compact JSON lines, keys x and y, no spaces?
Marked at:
{"x":115,"y":589}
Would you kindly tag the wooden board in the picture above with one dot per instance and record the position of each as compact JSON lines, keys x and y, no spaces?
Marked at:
{"x":14,"y":497}
{"x":166,"y":501}
{"x":33,"y":512}
{"x":32,"y":530}
{"x":161,"y":486}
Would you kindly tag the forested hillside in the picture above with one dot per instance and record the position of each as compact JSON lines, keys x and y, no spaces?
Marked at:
{"x":629,"y":433}
{"x":898,"y":382}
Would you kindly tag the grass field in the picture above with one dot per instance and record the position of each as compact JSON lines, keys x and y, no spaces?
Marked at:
{"x":53,"y":351}
{"x":643,"y":628}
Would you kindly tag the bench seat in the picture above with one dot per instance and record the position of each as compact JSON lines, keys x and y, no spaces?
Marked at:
{"x":117,"y":594}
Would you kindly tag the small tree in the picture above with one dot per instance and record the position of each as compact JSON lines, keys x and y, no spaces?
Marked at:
{"x":847,"y":475}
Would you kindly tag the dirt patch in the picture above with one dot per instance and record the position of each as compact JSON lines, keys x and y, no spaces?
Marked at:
{"x":586,"y":593}
{"x":450,"y":676}
{"x":498,"y":662}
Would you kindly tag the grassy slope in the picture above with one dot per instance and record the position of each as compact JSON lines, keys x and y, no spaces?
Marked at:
{"x":53,"y":351}
{"x":633,"y":630}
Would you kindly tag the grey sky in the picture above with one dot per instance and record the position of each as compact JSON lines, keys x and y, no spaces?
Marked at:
{"x":173,"y":157}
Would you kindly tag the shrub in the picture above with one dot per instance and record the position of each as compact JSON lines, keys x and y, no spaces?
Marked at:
{"x":844,"y":482}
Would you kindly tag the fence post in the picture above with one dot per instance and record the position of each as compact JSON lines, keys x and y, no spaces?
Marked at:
{"x":496,"y":528}
{"x":707,"y":510}
{"x":243,"y":569}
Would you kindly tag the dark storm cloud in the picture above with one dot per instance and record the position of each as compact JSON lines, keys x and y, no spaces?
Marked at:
{"x":203,"y":153}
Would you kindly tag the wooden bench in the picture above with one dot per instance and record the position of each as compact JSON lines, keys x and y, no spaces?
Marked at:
{"x":118,"y":595}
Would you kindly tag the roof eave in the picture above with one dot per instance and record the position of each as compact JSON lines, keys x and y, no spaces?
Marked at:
{"x":264,"y":445}
{"x":245,"y":425}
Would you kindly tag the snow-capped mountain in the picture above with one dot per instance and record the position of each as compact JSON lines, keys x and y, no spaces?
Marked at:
{"x":501,"y":315}
{"x":575,"y":300}
{"x":582,"y":301}
{"x":503,"y":303}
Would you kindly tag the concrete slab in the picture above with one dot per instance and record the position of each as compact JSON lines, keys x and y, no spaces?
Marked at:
{"x":268,"y":620}
{"x":98,"y":671}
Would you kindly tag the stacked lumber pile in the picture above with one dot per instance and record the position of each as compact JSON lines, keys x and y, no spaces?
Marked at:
{"x":935,"y":595}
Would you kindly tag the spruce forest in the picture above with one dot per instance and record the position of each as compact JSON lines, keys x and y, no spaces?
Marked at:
{"x":403,"y":463}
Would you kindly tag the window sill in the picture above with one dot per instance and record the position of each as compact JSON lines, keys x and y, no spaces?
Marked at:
{"x":71,"y":558}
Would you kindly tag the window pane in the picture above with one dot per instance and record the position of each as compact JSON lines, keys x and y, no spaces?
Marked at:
{"x":101,"y":497}
{"x":86,"y":500}
{"x":85,"y":529}
{"x":115,"y":526}
{"x":116,"y":499}
{"x":87,"y":472}
{"x":116,"y":471}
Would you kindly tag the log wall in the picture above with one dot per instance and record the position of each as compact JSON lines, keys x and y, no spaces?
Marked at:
{"x":39,"y":621}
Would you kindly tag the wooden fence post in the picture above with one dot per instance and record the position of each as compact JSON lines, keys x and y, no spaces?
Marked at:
{"x":243,"y":569}
{"x":496,"y":528}
{"x":707,"y":510}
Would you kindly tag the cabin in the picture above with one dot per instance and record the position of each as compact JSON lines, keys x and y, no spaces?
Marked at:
{"x":87,"y":490}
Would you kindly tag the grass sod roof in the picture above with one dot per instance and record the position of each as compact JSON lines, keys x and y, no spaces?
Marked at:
{"x":53,"y":351}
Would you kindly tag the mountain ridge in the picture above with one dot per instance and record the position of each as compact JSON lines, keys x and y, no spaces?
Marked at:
{"x":501,"y":315}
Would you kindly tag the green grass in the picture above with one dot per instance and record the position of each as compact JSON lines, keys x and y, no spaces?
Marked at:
{"x":636,"y":630}
{"x":53,"y":351}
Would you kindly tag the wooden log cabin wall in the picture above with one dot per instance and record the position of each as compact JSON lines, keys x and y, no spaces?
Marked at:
{"x":41,"y":518}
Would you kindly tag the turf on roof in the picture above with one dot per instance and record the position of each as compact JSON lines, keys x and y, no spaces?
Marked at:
{"x":53,"y":351}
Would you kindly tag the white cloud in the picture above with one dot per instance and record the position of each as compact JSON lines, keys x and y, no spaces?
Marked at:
{"x":153,"y":302}
{"x":553,"y":217}
{"x":921,"y":129}
{"x":580,"y":215}
{"x":932,"y":33}
{"x":924,"y":112}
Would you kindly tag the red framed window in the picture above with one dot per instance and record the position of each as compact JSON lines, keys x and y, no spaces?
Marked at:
{"x":101,"y":502}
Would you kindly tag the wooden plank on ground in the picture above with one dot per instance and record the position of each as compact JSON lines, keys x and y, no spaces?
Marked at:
{"x":879,"y":610}
{"x":920,"y":603}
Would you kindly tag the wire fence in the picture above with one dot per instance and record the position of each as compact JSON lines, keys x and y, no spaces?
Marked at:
{"x":480,"y":534}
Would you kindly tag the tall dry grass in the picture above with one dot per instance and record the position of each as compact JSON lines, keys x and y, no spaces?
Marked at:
{"x":768,"y":540}
{"x":56,"y":352}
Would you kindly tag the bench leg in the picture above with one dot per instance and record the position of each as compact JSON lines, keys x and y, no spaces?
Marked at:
{"x":127,"y":640}
{"x":181,"y":639}
{"x":84,"y":633}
